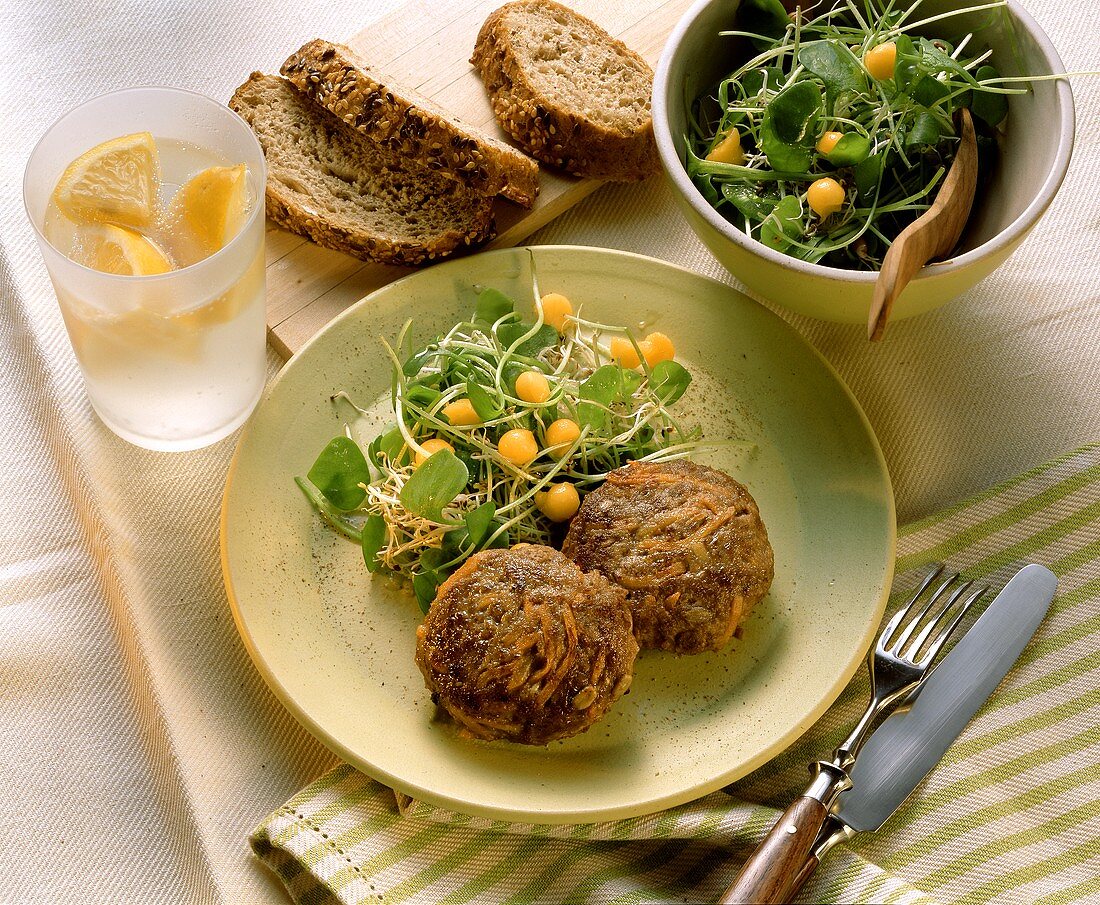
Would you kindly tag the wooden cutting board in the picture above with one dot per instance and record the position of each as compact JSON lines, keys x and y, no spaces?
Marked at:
{"x":426,"y":44}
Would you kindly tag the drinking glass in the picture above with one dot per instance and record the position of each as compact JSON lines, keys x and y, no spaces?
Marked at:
{"x":171,"y":361}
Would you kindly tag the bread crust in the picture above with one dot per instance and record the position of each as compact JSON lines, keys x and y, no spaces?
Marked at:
{"x":287,"y":211}
{"x":547,"y":130}
{"x":334,"y":76}
{"x":366,"y":247}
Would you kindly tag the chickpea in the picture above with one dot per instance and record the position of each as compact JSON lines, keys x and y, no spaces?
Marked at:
{"x":559,"y":502}
{"x":532,"y":386}
{"x":560,"y":435}
{"x":461,"y":413}
{"x":880,"y":61}
{"x":623,"y":351}
{"x":518,"y":446}
{"x":431,"y":447}
{"x":828,"y":141}
{"x":555,"y":309}
{"x":825,"y":197}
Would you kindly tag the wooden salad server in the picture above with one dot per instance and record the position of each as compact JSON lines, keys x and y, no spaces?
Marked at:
{"x":933,"y":234}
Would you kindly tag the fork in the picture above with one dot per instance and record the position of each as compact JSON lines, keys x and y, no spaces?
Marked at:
{"x":901,"y":659}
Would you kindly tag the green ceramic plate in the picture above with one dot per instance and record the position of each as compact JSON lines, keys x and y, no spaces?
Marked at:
{"x":337,"y":646}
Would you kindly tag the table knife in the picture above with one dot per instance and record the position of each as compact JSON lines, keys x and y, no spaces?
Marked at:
{"x":903,"y":750}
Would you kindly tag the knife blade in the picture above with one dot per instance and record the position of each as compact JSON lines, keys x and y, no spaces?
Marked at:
{"x":905,"y":748}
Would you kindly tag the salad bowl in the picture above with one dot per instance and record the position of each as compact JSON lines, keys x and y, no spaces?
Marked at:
{"x":1035,"y":146}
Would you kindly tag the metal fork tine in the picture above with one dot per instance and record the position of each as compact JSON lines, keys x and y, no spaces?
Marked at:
{"x":938,"y":644}
{"x":926,"y":632}
{"x":895,"y":679}
{"x":895,"y":649}
{"x":895,"y":620}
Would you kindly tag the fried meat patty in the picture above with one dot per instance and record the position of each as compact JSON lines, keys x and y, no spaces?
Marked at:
{"x":685,"y":541}
{"x":519,"y":644}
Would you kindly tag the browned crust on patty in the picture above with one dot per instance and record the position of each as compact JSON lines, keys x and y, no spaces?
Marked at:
{"x":519,"y":644}
{"x":685,"y":541}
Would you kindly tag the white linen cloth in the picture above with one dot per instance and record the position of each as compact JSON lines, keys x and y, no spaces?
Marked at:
{"x":137,"y":744}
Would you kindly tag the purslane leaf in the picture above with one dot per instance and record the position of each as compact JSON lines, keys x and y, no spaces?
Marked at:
{"x":374,"y":537}
{"x":833,"y":63}
{"x":925,"y":131}
{"x":328,"y":512}
{"x":542,"y":338}
{"x":928,"y":91}
{"x":748,"y":201}
{"x":670,"y":381}
{"x":484,"y":404}
{"x":425,"y":584}
{"x":988,"y":105}
{"x":850,"y":150}
{"x":784,"y":222}
{"x":866,"y":176}
{"x":492,"y":305}
{"x":434,"y":485}
{"x":763,"y":17}
{"x":786,"y":130}
{"x":479,"y":521}
{"x":339,"y":470}
{"x":602,"y":387}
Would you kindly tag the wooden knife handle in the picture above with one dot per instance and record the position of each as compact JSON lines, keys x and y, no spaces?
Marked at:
{"x":812,"y":862}
{"x":768,"y":876}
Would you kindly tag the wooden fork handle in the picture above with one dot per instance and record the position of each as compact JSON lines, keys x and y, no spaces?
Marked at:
{"x":769,"y":875}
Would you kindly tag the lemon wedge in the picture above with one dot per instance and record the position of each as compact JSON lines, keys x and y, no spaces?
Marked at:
{"x":115,"y":249}
{"x":211,"y":207}
{"x":115,"y":182}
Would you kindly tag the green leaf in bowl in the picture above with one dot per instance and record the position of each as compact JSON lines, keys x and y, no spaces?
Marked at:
{"x":602,"y":387}
{"x":767,"y":18}
{"x":924,"y":131}
{"x":833,"y":63}
{"x":786,"y":131}
{"x":485,"y":404}
{"x":374,"y":536}
{"x":783,"y":223}
{"x":850,"y":150}
{"x":670,"y":381}
{"x":480,"y":521}
{"x":988,"y":105}
{"x":749,"y":201}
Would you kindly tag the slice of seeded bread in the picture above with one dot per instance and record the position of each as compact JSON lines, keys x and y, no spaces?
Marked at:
{"x":329,"y":183}
{"x":568,"y":92}
{"x":403,"y":121}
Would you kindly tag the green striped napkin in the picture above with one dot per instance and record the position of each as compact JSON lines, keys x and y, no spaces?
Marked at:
{"x":1011,"y":815}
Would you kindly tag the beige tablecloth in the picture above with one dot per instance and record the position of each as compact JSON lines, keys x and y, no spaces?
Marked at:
{"x":137,"y":744}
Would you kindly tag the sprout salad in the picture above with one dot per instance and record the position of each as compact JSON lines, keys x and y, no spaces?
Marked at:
{"x":835,"y":135}
{"x":499,"y":427}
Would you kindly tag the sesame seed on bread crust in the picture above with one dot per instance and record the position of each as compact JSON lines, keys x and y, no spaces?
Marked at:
{"x":399,"y":119}
{"x":567,"y":91}
{"x":329,"y":183}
